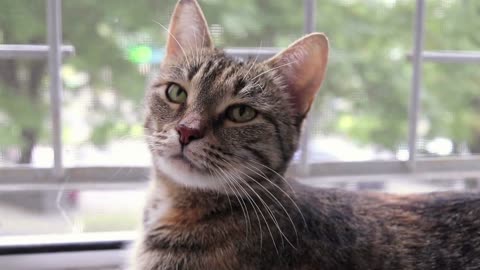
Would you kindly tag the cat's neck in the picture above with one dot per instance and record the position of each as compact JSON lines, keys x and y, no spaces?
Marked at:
{"x":172,"y":203}
{"x":164,"y":189}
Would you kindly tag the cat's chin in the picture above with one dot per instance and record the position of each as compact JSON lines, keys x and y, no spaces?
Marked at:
{"x":182,"y":161}
{"x":183,"y":172}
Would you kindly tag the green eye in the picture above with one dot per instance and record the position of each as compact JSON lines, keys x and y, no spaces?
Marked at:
{"x":176,"y":94}
{"x":241,"y":113}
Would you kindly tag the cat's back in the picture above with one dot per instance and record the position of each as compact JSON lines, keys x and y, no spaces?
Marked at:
{"x":424,"y":231}
{"x":385,"y":231}
{"x":435,"y":211}
{"x":443,"y":213}
{"x":450,"y":230}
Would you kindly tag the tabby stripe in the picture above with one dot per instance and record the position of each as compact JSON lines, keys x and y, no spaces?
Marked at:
{"x":239,"y":85}
{"x":192,"y":71}
{"x":229,"y":72}
{"x":254,"y":140}
{"x":206,"y":67}
{"x":213,"y":68}
{"x":210,"y":75}
{"x":260,"y":156}
{"x":278,"y":135}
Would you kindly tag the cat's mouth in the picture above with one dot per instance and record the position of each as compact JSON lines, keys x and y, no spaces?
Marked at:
{"x":184,"y":169}
{"x":184,"y":161}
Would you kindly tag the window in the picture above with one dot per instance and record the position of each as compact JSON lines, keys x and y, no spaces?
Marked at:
{"x":398,"y":111}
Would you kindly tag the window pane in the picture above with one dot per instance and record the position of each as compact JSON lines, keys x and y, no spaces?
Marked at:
{"x":361,"y":112}
{"x":451,"y":108}
{"x":24,"y":101}
{"x":451,"y":100}
{"x":452,"y":25}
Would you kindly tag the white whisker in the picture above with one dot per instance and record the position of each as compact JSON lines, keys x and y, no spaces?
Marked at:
{"x":238,"y":199}
{"x":272,"y":69}
{"x":266,"y":223}
{"x":281,"y":206}
{"x":274,"y":184}
{"x":272,"y":170}
{"x":254,"y":61}
{"x":174,"y":38}
{"x":269,"y":211}
{"x":255,"y":207}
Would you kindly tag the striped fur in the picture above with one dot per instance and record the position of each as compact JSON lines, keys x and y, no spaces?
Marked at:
{"x":226,"y":205}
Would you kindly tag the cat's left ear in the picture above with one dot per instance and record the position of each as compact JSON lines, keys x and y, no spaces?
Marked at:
{"x":303,"y":66}
{"x":188,"y":30}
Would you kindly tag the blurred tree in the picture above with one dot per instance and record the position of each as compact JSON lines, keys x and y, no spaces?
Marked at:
{"x":20,"y":87}
{"x":366,"y":93}
{"x":88,"y":25}
{"x":368,"y":68}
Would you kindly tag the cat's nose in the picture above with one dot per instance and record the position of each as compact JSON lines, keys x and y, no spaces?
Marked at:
{"x":188,"y":133}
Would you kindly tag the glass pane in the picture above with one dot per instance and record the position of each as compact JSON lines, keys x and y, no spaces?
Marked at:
{"x":452,"y":25}
{"x":45,"y":212}
{"x":24,"y":101}
{"x":361,"y":112}
{"x":451,"y":99}
{"x":451,"y":108}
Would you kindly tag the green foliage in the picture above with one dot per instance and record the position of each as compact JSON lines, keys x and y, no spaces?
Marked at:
{"x":23,"y":21}
{"x":370,"y":41}
{"x":19,"y":113}
{"x":368,"y":68}
{"x":112,"y":128}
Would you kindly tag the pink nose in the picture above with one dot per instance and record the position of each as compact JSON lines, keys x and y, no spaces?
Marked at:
{"x":188,"y":134}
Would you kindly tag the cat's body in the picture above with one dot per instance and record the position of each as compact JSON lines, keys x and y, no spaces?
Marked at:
{"x":335,"y":230}
{"x":222,"y":133}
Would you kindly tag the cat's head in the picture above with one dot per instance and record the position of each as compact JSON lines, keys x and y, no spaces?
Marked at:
{"x":214,"y":121}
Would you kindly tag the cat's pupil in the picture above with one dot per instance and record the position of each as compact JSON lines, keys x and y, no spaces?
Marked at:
{"x":241,"y":110}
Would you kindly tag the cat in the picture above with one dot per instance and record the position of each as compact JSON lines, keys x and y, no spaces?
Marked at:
{"x":222,"y":132}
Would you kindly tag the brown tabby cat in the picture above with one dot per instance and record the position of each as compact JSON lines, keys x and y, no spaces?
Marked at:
{"x":222,"y":132}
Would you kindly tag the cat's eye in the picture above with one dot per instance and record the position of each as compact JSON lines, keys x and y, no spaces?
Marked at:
{"x":176,"y":94}
{"x":241,"y":113}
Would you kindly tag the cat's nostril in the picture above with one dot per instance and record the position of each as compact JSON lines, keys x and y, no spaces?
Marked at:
{"x":188,"y":134}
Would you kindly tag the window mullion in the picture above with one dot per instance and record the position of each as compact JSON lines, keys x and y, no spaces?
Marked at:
{"x":54,"y":18}
{"x":415,"y":95}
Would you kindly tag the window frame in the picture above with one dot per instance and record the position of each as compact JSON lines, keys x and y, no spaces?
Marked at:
{"x":81,"y":251}
{"x":29,"y":251}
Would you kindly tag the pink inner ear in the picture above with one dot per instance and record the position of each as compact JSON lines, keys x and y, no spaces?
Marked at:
{"x":188,"y":30}
{"x":303,"y":66}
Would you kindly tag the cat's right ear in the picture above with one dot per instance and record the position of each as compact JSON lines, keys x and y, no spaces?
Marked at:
{"x":188,"y":30}
{"x":303,"y":66}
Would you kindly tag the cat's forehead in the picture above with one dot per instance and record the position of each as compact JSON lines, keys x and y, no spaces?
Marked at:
{"x":217,"y":74}
{"x":212,"y":77}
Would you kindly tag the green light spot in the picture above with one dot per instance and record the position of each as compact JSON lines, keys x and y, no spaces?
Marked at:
{"x":140,"y":54}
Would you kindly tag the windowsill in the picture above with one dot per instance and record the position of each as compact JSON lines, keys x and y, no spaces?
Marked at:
{"x":35,"y":244}
{"x":92,"y":251}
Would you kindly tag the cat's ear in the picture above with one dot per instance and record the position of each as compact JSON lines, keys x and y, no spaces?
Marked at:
{"x":303,"y":66}
{"x":188,"y":30}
